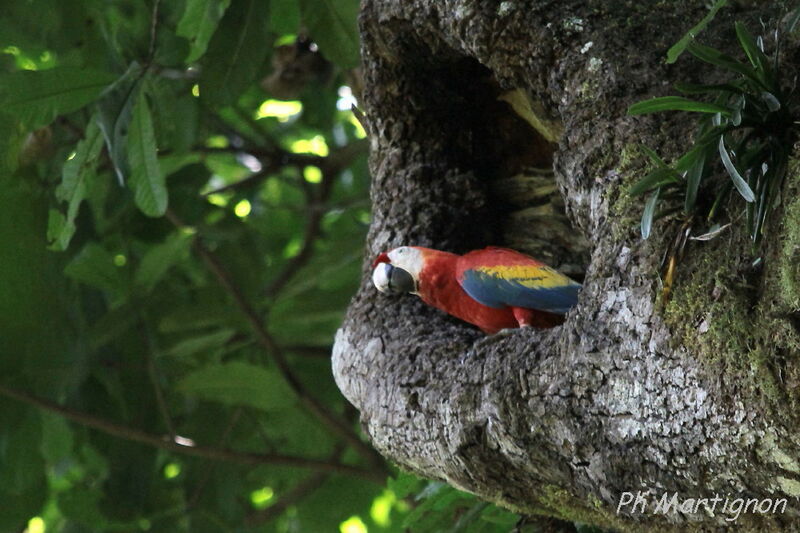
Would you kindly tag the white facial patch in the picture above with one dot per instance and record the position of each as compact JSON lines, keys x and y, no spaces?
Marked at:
{"x":407,"y":258}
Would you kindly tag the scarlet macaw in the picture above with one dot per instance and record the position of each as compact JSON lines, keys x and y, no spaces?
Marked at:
{"x":494,"y":288}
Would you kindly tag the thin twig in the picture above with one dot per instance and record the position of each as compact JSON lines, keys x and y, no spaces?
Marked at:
{"x":152,"y":373}
{"x":313,"y":231}
{"x":321,"y":412}
{"x":221,"y":443}
{"x":196,"y":450}
{"x":293,"y":496}
{"x":151,"y":51}
{"x":322,"y":352}
{"x":246,"y":183}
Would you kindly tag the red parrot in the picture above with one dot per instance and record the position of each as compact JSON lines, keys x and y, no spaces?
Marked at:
{"x":494,"y":288}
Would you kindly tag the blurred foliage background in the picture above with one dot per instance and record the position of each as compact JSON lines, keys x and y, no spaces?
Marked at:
{"x":183,"y":202}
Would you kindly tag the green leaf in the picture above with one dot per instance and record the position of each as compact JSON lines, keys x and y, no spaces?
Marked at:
{"x":160,"y":258}
{"x":57,"y":438}
{"x":695,"y":88}
{"x":198,"y":23}
{"x":792,"y":22}
{"x":654,"y":157}
{"x":11,"y":137}
{"x":715,"y":57}
{"x":693,"y":183}
{"x":657,"y":178}
{"x":146,"y":179}
{"x":284,"y":16}
{"x":236,"y":53}
{"x":114,"y":113}
{"x":94,"y":266}
{"x":678,"y":48}
{"x":649,"y":212}
{"x":37,"y":97}
{"x":76,"y":179}
{"x":239,"y":383}
{"x":21,"y":462}
{"x":738,"y":181}
{"x":675,"y":103}
{"x":405,"y":484}
{"x":754,"y":53}
{"x":83,"y":506}
{"x":198,"y":343}
{"x":772,"y":103}
{"x":332,"y":25}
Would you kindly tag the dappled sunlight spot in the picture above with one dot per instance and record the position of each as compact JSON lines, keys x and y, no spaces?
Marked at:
{"x":219,"y":200}
{"x":292,"y":248}
{"x":144,"y":524}
{"x":71,"y":156}
{"x":280,"y":109}
{"x":242,"y":209}
{"x":346,"y":99}
{"x":354,"y":524}
{"x":183,"y":441}
{"x":217,"y":141}
{"x":360,"y":132}
{"x":382,"y":508}
{"x":120,"y":260}
{"x":172,"y":470}
{"x":315,"y":145}
{"x":312,"y":174}
{"x":23,"y":61}
{"x":196,"y":90}
{"x":288,"y":38}
{"x":251,"y":162}
{"x":36,"y":525}
{"x":365,"y":217}
{"x":261,"y":498}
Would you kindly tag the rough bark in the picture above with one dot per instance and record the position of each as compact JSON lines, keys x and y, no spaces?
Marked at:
{"x":697,"y":396}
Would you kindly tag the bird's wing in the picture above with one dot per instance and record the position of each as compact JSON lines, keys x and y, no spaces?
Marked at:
{"x":498,"y":277}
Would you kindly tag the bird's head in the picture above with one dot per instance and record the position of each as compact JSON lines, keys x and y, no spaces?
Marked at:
{"x":397,"y":271}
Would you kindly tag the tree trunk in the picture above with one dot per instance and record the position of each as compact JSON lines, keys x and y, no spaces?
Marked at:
{"x":697,"y":396}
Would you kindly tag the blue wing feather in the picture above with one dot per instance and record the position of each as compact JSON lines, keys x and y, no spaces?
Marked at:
{"x":534,"y":287}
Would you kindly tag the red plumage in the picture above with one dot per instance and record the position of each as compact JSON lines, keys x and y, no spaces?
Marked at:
{"x":493,"y":288}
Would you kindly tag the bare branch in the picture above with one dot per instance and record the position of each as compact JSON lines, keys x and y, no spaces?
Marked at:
{"x":293,"y":496}
{"x":221,"y":443}
{"x":322,"y":413}
{"x":207,"y":452}
{"x":152,"y":373}
{"x":322,"y":352}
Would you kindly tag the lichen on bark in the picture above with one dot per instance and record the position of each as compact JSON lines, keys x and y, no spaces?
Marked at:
{"x":695,"y":397}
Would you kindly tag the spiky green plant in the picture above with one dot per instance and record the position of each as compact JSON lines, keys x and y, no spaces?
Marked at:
{"x":745,"y":124}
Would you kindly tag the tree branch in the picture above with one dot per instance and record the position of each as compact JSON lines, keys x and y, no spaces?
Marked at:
{"x":322,"y":352}
{"x":223,"y":439}
{"x":152,"y":373}
{"x":293,"y":496}
{"x":322,"y":413}
{"x":331,"y":166}
{"x":208,"y":452}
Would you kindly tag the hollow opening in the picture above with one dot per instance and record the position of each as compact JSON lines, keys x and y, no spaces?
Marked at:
{"x":511,"y":147}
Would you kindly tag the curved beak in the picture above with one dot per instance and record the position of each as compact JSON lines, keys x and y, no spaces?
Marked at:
{"x":390,"y":279}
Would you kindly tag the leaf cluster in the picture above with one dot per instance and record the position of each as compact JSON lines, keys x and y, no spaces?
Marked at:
{"x":181,"y":246}
{"x":744,"y":125}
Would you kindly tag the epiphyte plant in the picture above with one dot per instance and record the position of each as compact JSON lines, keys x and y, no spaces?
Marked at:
{"x":746,"y":125}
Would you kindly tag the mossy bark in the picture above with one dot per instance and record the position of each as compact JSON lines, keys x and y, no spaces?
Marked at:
{"x":697,"y":396}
